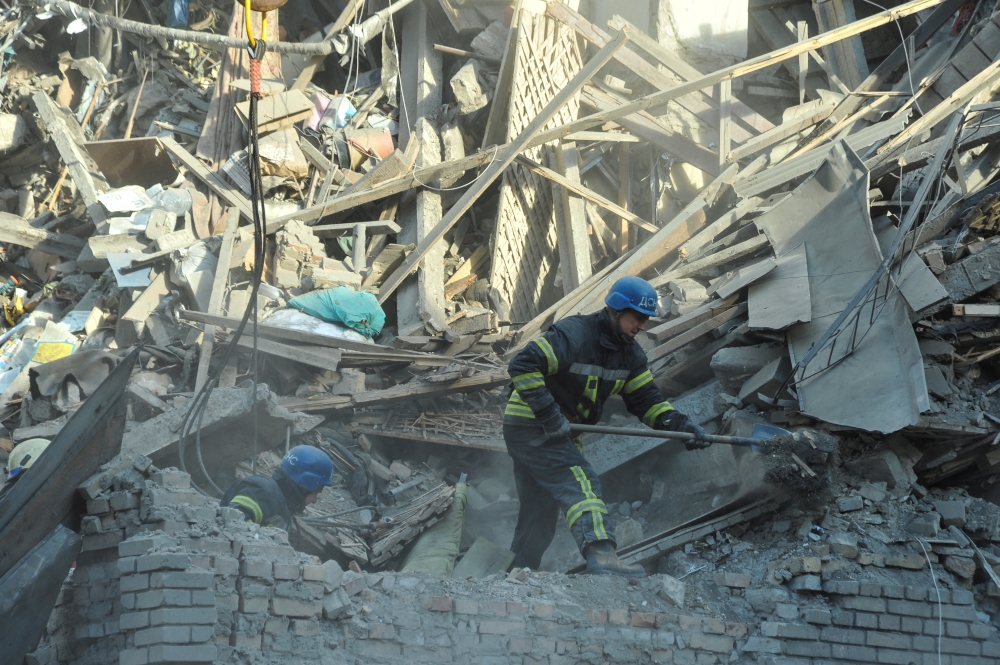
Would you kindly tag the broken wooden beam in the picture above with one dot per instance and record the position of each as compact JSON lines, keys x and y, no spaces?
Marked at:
{"x":17,"y":231}
{"x":404,"y":392}
{"x":585,"y":192}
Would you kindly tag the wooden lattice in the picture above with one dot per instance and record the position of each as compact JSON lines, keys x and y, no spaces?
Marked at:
{"x":525,"y":254}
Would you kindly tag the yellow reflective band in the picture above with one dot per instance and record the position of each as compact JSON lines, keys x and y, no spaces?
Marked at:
{"x":529,"y":381}
{"x":598,"y":524}
{"x":587,"y":505}
{"x":516,"y":399}
{"x":589,"y":392}
{"x":655,"y":411}
{"x":618,"y":387}
{"x":247,"y":502}
{"x":591,"y":504}
{"x":550,"y":354}
{"x":638,"y":382}
{"x":519,"y":411}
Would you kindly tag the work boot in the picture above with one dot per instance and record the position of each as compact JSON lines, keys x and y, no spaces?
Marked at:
{"x":603,"y":560}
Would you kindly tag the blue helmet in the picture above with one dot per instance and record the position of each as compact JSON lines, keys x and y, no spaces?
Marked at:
{"x":308,"y":467}
{"x":632,"y":293}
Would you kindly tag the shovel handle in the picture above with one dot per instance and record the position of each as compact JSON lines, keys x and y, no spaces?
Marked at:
{"x":659,"y":434}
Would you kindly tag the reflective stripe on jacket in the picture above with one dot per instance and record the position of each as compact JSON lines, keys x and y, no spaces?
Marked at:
{"x":263,"y":500}
{"x":575,"y":367}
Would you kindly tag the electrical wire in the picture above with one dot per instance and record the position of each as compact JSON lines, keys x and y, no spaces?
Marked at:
{"x":938,"y":592}
{"x":199,"y":403}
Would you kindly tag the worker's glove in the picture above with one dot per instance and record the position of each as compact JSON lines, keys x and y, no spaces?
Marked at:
{"x":678,"y":422}
{"x":557,"y":427}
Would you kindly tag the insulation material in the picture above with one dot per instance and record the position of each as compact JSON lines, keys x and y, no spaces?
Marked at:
{"x":879,"y":362}
{"x":525,"y":252}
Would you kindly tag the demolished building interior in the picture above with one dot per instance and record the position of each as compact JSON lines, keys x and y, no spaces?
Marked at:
{"x":811,"y":187}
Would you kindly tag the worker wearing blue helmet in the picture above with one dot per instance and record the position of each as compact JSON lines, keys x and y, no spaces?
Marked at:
{"x":297,"y":483}
{"x":565,"y":376}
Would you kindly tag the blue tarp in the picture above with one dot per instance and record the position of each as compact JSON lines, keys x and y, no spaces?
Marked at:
{"x":355,"y":309}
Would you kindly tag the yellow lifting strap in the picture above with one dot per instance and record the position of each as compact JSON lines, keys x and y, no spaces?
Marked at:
{"x":262,"y":6}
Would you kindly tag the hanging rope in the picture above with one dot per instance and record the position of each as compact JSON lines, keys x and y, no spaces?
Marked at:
{"x":256,"y":49}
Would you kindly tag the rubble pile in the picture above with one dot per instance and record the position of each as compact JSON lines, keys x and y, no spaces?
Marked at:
{"x":811,"y":191}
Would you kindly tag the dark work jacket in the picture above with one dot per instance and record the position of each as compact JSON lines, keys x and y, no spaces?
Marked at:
{"x":266,"y":501}
{"x":574,"y":368}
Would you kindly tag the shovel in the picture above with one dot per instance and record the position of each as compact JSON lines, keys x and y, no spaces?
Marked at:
{"x":760,"y":433}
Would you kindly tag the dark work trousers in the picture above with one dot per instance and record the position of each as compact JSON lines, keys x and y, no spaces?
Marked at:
{"x":551,"y":477}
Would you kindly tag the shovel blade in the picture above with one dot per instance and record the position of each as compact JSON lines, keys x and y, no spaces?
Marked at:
{"x":762,"y":432}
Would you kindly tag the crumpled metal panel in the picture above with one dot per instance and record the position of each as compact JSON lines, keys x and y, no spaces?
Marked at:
{"x":877,"y":382}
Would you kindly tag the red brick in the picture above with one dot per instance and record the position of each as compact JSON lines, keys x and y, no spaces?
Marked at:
{"x":619,"y":617}
{"x":441,"y":604}
{"x":597,"y":616}
{"x":643,"y":620}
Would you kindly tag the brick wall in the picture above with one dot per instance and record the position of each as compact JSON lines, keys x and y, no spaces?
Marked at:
{"x":168,"y":577}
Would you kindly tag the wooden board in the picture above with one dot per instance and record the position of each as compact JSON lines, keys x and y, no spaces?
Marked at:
{"x":17,"y":231}
{"x":277,"y":111}
{"x":323,"y":357}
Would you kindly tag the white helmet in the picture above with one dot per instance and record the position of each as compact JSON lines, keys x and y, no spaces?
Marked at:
{"x":24,"y":455}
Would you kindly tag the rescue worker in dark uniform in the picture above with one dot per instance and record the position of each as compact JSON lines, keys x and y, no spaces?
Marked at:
{"x":566,"y":375}
{"x":297,"y":483}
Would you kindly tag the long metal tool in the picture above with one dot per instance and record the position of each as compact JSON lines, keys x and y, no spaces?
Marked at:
{"x":659,"y":434}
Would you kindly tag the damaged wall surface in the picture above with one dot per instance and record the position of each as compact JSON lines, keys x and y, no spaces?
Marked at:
{"x":828,"y":214}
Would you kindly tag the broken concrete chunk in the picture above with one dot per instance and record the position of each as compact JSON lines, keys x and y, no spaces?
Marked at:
{"x":400,"y":470}
{"x":961,"y":566}
{"x":973,"y":274}
{"x":469,"y":89}
{"x":336,"y":604}
{"x":159,"y":222}
{"x":492,"y":41}
{"x":353,"y":583}
{"x":925,"y":524}
{"x":873,"y":492}
{"x":761,"y":389}
{"x":850,"y":503}
{"x":13,"y":132}
{"x":733,"y":580}
{"x":843,"y":543}
{"x":733,"y":365}
{"x":766,"y":600}
{"x":334,"y":575}
{"x":883,"y":466}
{"x":182,"y":239}
{"x":807,"y":582}
{"x":671,"y":589}
{"x":688,"y":290}
{"x":952,"y":513}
